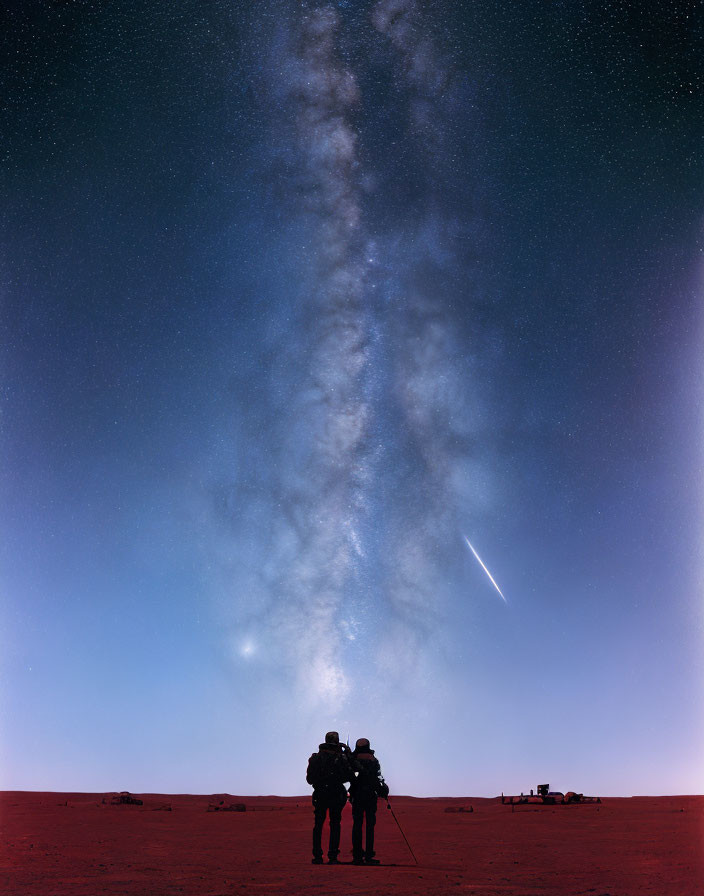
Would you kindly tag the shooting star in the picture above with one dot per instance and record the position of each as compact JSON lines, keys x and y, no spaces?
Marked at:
{"x":469,"y":544}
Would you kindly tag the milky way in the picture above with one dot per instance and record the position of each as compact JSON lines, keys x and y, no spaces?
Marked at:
{"x":317,"y":540}
{"x":378,"y":429}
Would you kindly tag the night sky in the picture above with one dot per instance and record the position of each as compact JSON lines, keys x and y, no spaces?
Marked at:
{"x":298,"y":299}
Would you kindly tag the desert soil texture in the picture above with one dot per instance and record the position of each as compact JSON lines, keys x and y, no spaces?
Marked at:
{"x":81,"y":844}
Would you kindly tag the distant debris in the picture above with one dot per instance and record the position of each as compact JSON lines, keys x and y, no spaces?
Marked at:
{"x":125,"y":798}
{"x":165,"y":808}
{"x":459,"y":809}
{"x":231,"y":807}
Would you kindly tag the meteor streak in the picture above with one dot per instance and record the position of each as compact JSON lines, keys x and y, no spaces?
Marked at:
{"x":469,"y":544}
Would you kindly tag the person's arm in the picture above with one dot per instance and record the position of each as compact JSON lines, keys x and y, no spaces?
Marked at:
{"x":382,"y":788}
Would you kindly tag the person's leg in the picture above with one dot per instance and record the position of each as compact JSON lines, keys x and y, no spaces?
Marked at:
{"x":335,"y":824}
{"x":370,"y":812}
{"x":319,"y":808}
{"x":357,"y":821}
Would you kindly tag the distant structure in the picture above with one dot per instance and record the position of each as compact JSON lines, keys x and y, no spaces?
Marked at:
{"x":546,"y":797}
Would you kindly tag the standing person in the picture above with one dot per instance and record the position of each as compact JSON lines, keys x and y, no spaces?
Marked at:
{"x":364,"y":789}
{"x":328,"y":772}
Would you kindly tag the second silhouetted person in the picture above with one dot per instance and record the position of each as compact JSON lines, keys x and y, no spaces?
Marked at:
{"x":366,"y":786}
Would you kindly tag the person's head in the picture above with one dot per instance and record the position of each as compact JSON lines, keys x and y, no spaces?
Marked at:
{"x":362,"y":744}
{"x":332,"y":737}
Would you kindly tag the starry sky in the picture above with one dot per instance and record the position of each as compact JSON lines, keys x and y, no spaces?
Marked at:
{"x":298,"y":298}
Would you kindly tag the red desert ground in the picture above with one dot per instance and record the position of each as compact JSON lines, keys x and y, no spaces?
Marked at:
{"x":80,"y":843}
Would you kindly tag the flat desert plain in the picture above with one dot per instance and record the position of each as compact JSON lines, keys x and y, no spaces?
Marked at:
{"x":78,"y":843}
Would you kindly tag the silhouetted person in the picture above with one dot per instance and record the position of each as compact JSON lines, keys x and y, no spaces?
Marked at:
{"x":366,"y":786}
{"x":328,"y":771}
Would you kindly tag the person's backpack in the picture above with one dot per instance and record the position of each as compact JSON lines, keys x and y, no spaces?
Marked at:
{"x":369,"y":777}
{"x":324,"y":769}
